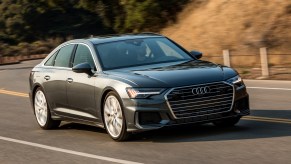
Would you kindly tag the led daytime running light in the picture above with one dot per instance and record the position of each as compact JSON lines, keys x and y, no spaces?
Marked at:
{"x":135,"y":93}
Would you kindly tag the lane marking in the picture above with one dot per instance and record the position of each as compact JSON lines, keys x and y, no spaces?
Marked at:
{"x":68,"y":151}
{"x":268,"y":119}
{"x":282,"y":89}
{"x":20,"y":94}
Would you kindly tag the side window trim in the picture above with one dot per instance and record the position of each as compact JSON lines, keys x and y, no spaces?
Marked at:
{"x":96,"y":60}
{"x":54,"y":58}
{"x":73,"y":55}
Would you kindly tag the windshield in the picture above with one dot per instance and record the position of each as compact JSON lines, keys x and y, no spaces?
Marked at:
{"x":137,"y":52}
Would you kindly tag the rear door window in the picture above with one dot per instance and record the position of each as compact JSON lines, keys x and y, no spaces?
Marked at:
{"x":64,"y":56}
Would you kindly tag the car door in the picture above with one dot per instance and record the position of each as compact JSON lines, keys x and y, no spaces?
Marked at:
{"x":54,"y":75}
{"x":81,"y":86}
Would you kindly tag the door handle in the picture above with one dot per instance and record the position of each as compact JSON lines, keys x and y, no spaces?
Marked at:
{"x":69,"y":80}
{"x":47,"y":77}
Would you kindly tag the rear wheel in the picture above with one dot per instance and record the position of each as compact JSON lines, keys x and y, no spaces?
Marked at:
{"x":42,"y":112}
{"x":227,"y":122}
{"x":114,"y":119}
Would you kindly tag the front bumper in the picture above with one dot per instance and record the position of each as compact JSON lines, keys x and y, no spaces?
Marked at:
{"x":155,"y":113}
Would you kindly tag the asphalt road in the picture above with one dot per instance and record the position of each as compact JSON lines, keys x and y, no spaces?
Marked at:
{"x":263,"y":137}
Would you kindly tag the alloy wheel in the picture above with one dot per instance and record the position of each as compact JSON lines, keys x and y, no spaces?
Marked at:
{"x":113,"y":117}
{"x":40,"y":107}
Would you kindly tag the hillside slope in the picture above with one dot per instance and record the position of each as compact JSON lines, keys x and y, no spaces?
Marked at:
{"x":240,"y":25}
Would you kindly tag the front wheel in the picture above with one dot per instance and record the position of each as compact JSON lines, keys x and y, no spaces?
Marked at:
{"x":42,"y":112}
{"x":114,"y":119}
{"x":227,"y":122}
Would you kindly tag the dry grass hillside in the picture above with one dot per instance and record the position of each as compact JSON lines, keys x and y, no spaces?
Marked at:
{"x":243,"y":26}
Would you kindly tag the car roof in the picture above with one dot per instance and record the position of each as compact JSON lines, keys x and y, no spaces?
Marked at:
{"x":118,"y":37}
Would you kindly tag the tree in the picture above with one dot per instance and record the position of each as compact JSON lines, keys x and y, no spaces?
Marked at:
{"x":39,"y":20}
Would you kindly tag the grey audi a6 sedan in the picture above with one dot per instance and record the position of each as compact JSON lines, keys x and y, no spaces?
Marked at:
{"x":133,"y":82}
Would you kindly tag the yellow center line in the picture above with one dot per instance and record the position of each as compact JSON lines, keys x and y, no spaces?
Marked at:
{"x":13,"y":93}
{"x":268,"y":119}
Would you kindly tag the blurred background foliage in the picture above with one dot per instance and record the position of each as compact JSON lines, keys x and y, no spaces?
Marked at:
{"x":37,"y":26}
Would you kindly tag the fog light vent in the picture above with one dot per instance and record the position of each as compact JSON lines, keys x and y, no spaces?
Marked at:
{"x":146,"y":118}
{"x":242,"y":105}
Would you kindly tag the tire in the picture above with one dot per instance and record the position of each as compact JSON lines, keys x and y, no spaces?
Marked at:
{"x":228,"y":122}
{"x":113,"y":116}
{"x":42,"y":111}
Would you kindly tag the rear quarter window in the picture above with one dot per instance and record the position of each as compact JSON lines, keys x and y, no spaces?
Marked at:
{"x":51,"y":60}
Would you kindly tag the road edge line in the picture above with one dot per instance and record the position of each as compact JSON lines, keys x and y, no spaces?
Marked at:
{"x":68,"y":151}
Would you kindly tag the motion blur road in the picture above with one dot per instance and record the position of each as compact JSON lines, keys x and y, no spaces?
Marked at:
{"x":263,"y":137}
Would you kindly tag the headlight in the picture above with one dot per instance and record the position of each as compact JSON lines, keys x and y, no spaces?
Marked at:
{"x":235,"y":80}
{"x":139,"y":93}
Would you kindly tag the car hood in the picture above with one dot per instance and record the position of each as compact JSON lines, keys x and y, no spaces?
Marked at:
{"x":174,"y":74}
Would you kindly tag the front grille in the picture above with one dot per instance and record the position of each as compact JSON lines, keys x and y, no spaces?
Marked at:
{"x":187,"y":102}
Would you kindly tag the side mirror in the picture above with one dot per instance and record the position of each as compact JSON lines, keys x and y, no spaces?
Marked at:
{"x":82,"y":68}
{"x":196,"y":54}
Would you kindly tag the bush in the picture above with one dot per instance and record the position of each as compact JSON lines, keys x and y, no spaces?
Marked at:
{"x":25,"y":48}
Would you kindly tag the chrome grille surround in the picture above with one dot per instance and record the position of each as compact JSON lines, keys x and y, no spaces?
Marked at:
{"x":184,"y":112}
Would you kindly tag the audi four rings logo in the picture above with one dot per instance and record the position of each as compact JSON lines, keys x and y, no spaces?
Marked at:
{"x":200,"y":90}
